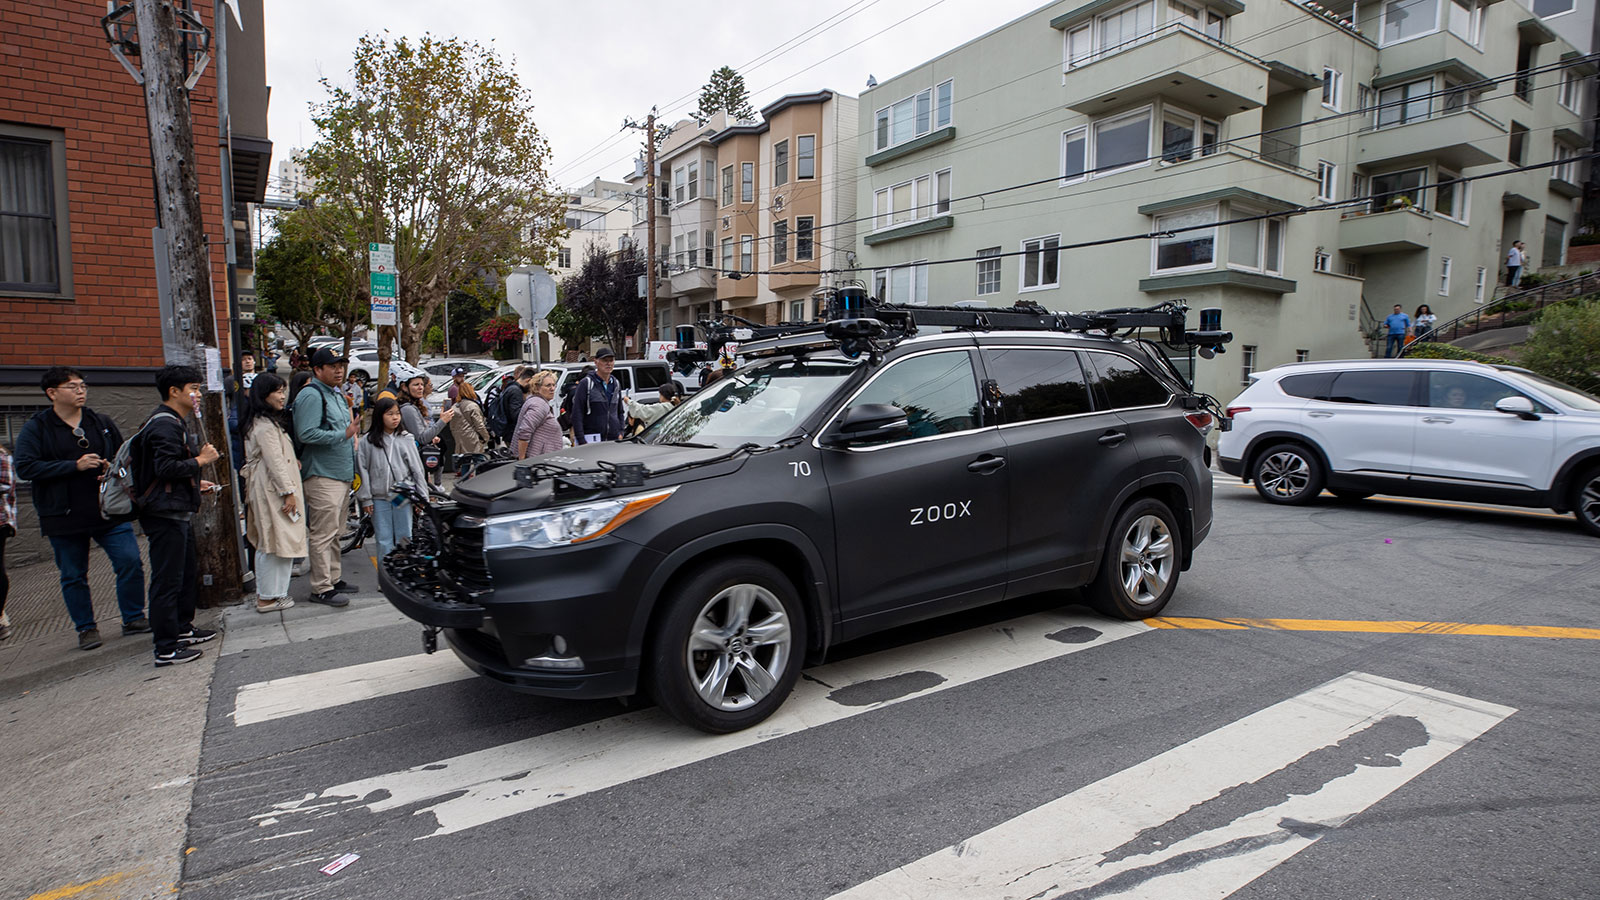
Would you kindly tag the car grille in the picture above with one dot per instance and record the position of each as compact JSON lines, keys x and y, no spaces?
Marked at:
{"x":463,"y":556}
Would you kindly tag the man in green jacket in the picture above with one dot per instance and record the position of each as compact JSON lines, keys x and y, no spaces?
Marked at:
{"x":326,"y":430}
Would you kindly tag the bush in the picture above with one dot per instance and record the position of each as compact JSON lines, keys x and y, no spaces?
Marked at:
{"x":433,"y":341}
{"x":1566,"y":345}
{"x":1431,"y":350}
{"x":1583,"y":240}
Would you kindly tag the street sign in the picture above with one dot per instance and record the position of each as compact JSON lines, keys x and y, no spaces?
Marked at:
{"x":383,"y":284}
{"x":531,"y":291}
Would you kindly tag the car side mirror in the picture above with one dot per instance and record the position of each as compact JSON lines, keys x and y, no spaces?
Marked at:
{"x":868,"y":422}
{"x":1518,"y":406}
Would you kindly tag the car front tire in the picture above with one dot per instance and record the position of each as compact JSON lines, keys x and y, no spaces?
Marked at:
{"x":1143,"y":556}
{"x":1586,"y":501}
{"x":1287,"y":473}
{"x":729,"y":648}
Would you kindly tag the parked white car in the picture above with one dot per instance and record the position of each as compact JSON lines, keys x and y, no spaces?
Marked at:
{"x":364,"y":366}
{"x":1423,"y":428}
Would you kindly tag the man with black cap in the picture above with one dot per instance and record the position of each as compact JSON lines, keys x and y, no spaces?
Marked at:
{"x":597,"y":402}
{"x":327,"y":432}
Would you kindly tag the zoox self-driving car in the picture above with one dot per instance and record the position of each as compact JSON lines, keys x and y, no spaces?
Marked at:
{"x":886,"y":465}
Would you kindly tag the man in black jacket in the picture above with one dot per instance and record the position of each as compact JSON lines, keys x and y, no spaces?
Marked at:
{"x":516,"y":394}
{"x":64,"y":451}
{"x":597,"y":402}
{"x":167,"y":487}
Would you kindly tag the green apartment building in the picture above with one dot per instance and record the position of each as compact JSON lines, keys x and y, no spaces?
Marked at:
{"x":1165,"y":120}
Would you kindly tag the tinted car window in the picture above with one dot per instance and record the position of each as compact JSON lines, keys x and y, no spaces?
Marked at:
{"x":650,"y":377}
{"x":1460,"y":390}
{"x":1125,"y":383}
{"x":1312,"y":385}
{"x":937,"y":391}
{"x":1038,"y":384}
{"x":1376,"y":388}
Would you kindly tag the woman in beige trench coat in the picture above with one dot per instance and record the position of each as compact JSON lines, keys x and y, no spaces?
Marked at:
{"x":274,"y":500}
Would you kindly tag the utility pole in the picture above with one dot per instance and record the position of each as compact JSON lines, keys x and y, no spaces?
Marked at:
{"x":653,"y":138}
{"x":191,"y":337}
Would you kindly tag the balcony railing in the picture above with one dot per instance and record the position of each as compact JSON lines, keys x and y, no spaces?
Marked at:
{"x":1512,"y":309}
{"x":1157,"y":33}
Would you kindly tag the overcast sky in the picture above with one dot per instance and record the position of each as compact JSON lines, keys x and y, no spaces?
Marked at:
{"x":590,"y":63}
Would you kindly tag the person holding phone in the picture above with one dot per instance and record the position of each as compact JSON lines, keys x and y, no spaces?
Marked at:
{"x":387,"y":456}
{"x":274,"y":497}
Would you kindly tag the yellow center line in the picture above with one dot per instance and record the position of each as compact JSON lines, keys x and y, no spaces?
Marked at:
{"x":1471,"y":628}
{"x":79,"y":890}
{"x":1449,"y":504}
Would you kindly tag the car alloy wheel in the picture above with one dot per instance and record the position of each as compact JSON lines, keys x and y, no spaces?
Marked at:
{"x":739,"y":648}
{"x":1586,"y":502}
{"x":1148,"y":557}
{"x":1284,"y":474}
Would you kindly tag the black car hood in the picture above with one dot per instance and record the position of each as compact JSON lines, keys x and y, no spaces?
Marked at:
{"x":497,"y":491}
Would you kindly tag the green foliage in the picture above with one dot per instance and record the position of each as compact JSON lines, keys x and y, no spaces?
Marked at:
{"x":433,"y":341}
{"x":1566,"y":345}
{"x":605,"y":290}
{"x":432,"y":148}
{"x":571,"y":327}
{"x":1433,"y":350}
{"x":725,"y":92}
{"x":1584,"y":240}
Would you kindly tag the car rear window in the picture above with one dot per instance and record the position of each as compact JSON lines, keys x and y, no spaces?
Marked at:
{"x":1373,"y":387}
{"x":1038,"y":384}
{"x":1126,"y":384}
{"x":1311,"y":385}
{"x":649,"y":377}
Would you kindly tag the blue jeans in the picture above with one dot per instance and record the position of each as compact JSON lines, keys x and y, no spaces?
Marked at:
{"x":1394,"y":346}
{"x":72,"y":559}
{"x":391,"y":523}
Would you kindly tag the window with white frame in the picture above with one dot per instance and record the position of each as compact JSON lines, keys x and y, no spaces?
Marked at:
{"x":1322,"y":261}
{"x":1459,"y":94}
{"x":1206,"y":22}
{"x":678,"y":261}
{"x":1041,"y":263}
{"x":1327,"y":180}
{"x":780,"y":163}
{"x":1444,"y":276}
{"x":1571,"y":93}
{"x":1184,"y":242}
{"x":803,"y":226}
{"x":727,"y":254}
{"x":941,"y":192}
{"x":1255,"y":245}
{"x":1479,"y":284}
{"x":1107,"y":146}
{"x":1568,"y":169}
{"x":1074,"y":155}
{"x":1464,"y":18}
{"x":1111,"y":32}
{"x":680,"y":183}
{"x":943,"y":103}
{"x":1405,"y":103}
{"x":1358,"y":187}
{"x":1352,"y":267}
{"x":989,"y":271}
{"x":805,"y":160}
{"x":747,"y":253}
{"x":797,"y":311}
{"x":915,"y":116}
{"x":1302,"y":356}
{"x":694,"y":181}
{"x":1450,"y":196}
{"x":1403,"y":20}
{"x":693,"y":258}
{"x":780,"y":241}
{"x":1332,"y":88}
{"x":1185,"y":136}
{"x":1247,"y":362}
{"x":903,"y":284}
{"x":563,"y":257}
{"x":747,"y":182}
{"x":709,"y":248}
{"x":1398,"y":189}
{"x":727,"y":185}
{"x":920,"y":198}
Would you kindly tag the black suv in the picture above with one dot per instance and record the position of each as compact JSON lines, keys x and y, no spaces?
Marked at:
{"x":853,"y":476}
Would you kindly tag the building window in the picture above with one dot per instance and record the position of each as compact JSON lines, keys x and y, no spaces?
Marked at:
{"x":903,"y":284}
{"x":1459,"y":95}
{"x":678,"y":185}
{"x":710,"y":248}
{"x":914,"y":116}
{"x":1544,"y":9}
{"x":32,"y":250}
{"x":911,"y":201}
{"x":805,"y":163}
{"x":1327,"y":180}
{"x":1074,"y":155}
{"x":693,"y":258}
{"x":1444,"y":276}
{"x":1555,"y":242}
{"x":1302,"y":356}
{"x":1397,"y":189}
{"x":1121,"y":143}
{"x":989,"y":271}
{"x":1519,"y":143}
{"x":563,"y":257}
{"x":780,"y":241}
{"x":1332,"y":88}
{"x":677,"y":252}
{"x":1041,"y":263}
{"x":802,"y":237}
{"x":1255,"y":245}
{"x":1352,"y":267}
{"x":1450,"y":197}
{"x":1405,"y":103}
{"x":941,"y":192}
{"x":1524,"y":82}
{"x":1479,"y":283}
{"x":747,"y":253}
{"x":1247,"y":364}
{"x":1464,"y":18}
{"x":574,"y":223}
{"x":1322,"y":261}
{"x":1358,"y":187}
{"x":943,"y":101}
{"x":1111,"y":33}
{"x":727,"y":185}
{"x":1184,"y":243}
{"x":780,"y":163}
{"x":1185,"y":136}
{"x":1407,"y":19}
{"x":747,"y":182}
{"x":727,"y":254}
{"x":797,"y":311}
{"x":694,"y":181}
{"x":1571,"y":95}
{"x":1568,"y":169}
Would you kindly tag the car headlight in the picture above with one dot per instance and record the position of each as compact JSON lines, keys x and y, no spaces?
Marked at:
{"x":568,"y":524}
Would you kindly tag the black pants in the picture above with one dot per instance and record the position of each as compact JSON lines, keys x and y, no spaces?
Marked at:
{"x":5,"y":581}
{"x":172,"y":579}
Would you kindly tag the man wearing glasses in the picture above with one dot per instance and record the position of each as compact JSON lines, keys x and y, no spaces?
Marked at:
{"x":64,"y":451}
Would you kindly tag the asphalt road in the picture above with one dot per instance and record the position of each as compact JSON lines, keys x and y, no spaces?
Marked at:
{"x":1270,"y":741}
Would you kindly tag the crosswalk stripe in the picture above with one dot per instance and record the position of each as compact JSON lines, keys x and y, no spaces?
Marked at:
{"x":487,"y":785}
{"x":295,"y":694}
{"x":1098,"y":841}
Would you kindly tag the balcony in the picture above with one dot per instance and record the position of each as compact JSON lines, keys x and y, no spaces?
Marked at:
{"x":696,"y":278}
{"x":1198,"y":72}
{"x":1457,"y":138}
{"x":1394,"y":231}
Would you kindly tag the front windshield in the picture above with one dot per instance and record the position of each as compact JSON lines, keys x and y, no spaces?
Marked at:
{"x":759,"y":404}
{"x":1565,"y":393}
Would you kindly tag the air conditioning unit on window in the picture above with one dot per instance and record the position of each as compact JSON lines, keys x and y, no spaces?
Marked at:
{"x":727,"y":222}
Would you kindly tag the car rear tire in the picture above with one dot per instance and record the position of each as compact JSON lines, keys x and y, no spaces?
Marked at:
{"x":1143,"y":556}
{"x":1288,"y":473}
{"x":1586,"y":501}
{"x":1350,"y":496}
{"x":729,"y":648}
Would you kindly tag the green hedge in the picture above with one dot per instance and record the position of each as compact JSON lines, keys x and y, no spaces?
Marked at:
{"x":1431,"y":350}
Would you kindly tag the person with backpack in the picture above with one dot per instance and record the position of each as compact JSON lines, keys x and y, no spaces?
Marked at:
{"x":167,"y":489}
{"x":326,"y":431}
{"x":274,"y":497}
{"x":597,"y":402}
{"x":467,"y":425}
{"x":387,"y":456}
{"x":63,"y":451}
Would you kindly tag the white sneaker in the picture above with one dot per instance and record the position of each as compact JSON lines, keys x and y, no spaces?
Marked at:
{"x":301,"y":567}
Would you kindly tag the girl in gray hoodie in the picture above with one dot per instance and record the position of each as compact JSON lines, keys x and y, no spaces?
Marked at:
{"x":385,"y":457}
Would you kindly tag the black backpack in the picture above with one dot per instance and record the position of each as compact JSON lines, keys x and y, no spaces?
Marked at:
{"x":294,"y":433}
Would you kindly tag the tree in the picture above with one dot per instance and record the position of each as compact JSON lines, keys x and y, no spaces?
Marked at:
{"x":725,"y":92}
{"x":312,"y":275}
{"x":605,"y":290}
{"x":1565,"y":344}
{"x":571,"y":327}
{"x":433,"y":149}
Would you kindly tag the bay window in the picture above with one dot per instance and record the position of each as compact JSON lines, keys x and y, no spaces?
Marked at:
{"x":727,"y":254}
{"x":747,"y":182}
{"x":805,"y":157}
{"x":1405,"y":103}
{"x":1123,"y":28}
{"x":747,"y":252}
{"x":780,"y":163}
{"x":1074,"y":155}
{"x":1255,"y":245}
{"x":1185,"y":136}
{"x":903,"y":284}
{"x":1398,"y":188}
{"x":944,"y":99}
{"x":780,"y":241}
{"x":727,"y":185}
{"x":1041,"y":263}
{"x":1464,"y":18}
{"x":1407,"y":19}
{"x":1121,"y":143}
{"x":802,"y":237}
{"x":694,"y":181}
{"x":914,"y":116}
{"x":1183,"y":243}
{"x":679,"y":183}
{"x":923,"y":197}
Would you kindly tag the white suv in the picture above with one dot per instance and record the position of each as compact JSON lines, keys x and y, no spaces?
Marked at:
{"x":1422,"y":428}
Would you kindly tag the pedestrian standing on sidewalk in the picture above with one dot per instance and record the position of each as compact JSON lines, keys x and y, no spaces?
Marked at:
{"x":597,"y":402}
{"x":1398,"y":323}
{"x":63,"y":451}
{"x":8,"y":530}
{"x":467,"y":425}
{"x":275,"y":501}
{"x":538,"y":428}
{"x":327,"y":467}
{"x":1514,"y":264}
{"x":387,"y":456}
{"x":414,"y":416}
{"x":167,"y":487}
{"x":1424,"y":321}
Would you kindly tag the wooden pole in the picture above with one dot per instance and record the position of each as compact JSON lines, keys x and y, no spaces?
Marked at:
{"x":161,"y":52}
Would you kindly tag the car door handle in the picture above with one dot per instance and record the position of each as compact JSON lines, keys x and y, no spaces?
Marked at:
{"x":1438,"y":419}
{"x":1320,"y":415}
{"x":1113,"y":438}
{"x":987,"y":465}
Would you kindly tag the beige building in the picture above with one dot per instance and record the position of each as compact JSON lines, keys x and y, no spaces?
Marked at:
{"x":1202,"y":129}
